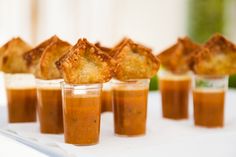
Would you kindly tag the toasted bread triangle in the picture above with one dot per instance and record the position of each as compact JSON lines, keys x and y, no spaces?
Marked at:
{"x":134,"y":61}
{"x":33,"y":56}
{"x":11,"y":56}
{"x":176,"y":58}
{"x":85,"y":64}
{"x":216,"y":57}
{"x":46,"y":66}
{"x":118,"y":45}
{"x":104,"y":49}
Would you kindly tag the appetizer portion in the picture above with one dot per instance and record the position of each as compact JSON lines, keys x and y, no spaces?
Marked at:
{"x":174,"y":78}
{"x":212,"y":64}
{"x":84,"y":68}
{"x":86,"y":64}
{"x":11,"y":56}
{"x":19,"y":83}
{"x":134,"y":61}
{"x":176,"y":57}
{"x":216,"y":57}
{"x":42,"y":61}
{"x":47,"y":68}
{"x":135,"y":66}
{"x":32,"y":57}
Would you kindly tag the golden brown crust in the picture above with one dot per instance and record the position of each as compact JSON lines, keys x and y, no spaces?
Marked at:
{"x":134,"y":61}
{"x":47,"y":68}
{"x":103,"y":48}
{"x":216,"y":57}
{"x":85,"y":64}
{"x":107,"y":50}
{"x":33,"y":56}
{"x":177,"y":57}
{"x":118,"y":45}
{"x":11,"y":56}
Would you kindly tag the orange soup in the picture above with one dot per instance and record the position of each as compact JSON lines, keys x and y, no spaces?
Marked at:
{"x":130,"y":111}
{"x":175,"y":94}
{"x":106,"y":101}
{"x":81,"y":119}
{"x":22,"y":105}
{"x":209,"y":108}
{"x":50,"y":110}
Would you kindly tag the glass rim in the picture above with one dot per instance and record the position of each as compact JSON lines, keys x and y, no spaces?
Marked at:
{"x":166,"y":71}
{"x":19,"y":80}
{"x":17,"y":74}
{"x":168,"y":75}
{"x":130,"y":81}
{"x":65,"y":85}
{"x":48,"y":84}
{"x":210,"y":82}
{"x":211,"y":76}
{"x":107,"y":86}
{"x":49,"y":81}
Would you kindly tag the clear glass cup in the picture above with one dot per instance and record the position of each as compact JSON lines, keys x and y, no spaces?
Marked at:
{"x":21,"y":97}
{"x":106,"y":97}
{"x":50,"y":106}
{"x":2,"y":89}
{"x":174,"y":94}
{"x":208,"y":99}
{"x":130,"y":106}
{"x":81,"y":113}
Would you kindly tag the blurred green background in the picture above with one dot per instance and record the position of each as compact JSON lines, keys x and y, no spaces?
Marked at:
{"x":204,"y":18}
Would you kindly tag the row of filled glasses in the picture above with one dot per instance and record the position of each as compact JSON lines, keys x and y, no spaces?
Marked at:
{"x":208,"y":97}
{"x":75,"y":109}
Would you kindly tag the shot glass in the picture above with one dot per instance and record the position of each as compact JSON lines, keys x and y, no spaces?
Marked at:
{"x":106,"y":97}
{"x":50,"y":106}
{"x":174,"y":94}
{"x":208,"y":99}
{"x":81,"y":113}
{"x":130,"y":106}
{"x":21,"y":97}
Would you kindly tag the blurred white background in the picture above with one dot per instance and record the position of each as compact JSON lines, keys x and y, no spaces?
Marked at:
{"x":156,"y":23}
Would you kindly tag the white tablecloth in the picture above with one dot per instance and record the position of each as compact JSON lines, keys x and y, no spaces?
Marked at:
{"x":10,"y":148}
{"x":164,"y":137}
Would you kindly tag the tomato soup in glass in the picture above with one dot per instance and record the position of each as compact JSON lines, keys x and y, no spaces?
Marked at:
{"x":208,"y":99}
{"x":81,"y":113}
{"x":175,"y":95}
{"x":106,"y":105}
{"x":50,"y":106}
{"x":130,"y":107}
{"x":21,"y":97}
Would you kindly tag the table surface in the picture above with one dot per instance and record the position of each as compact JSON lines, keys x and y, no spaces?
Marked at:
{"x":163,"y":138}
